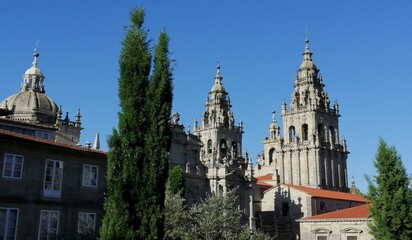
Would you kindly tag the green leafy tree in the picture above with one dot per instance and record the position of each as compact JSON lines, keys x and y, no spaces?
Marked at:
{"x":217,"y":217}
{"x":390,"y":196}
{"x":175,"y":212}
{"x":175,"y":181}
{"x":176,"y":216}
{"x":136,"y":173}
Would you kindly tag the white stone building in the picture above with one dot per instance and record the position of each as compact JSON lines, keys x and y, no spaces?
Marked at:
{"x":211,"y":156}
{"x":282,"y":205}
{"x":303,"y":172}
{"x":347,"y":224}
{"x":310,"y":153}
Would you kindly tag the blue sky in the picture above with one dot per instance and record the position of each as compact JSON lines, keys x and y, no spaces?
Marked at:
{"x":363,"y":49}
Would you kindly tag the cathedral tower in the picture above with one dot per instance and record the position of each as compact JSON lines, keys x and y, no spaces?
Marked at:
{"x":222,"y":139}
{"x":310,"y":153}
{"x":221,"y":153}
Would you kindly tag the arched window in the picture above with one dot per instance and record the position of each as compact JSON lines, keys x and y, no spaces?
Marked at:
{"x":223,"y":146}
{"x":305,"y":135}
{"x":272,"y":156}
{"x":292,"y":134}
{"x":209,"y":146}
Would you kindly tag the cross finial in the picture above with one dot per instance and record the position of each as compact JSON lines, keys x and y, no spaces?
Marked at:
{"x":273,"y":115}
{"x":306,"y":34}
{"x":218,"y":69}
{"x":37,"y":46}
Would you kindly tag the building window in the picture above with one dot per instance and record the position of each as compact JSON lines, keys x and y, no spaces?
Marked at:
{"x":49,"y":224}
{"x":338,"y":206}
{"x":322,"y":205}
{"x":351,"y":238}
{"x":322,"y":238}
{"x":90,"y":174}
{"x":8,"y":223}
{"x":223,"y":146}
{"x":209,"y":146}
{"x":292,"y":134}
{"x":53,"y":178}
{"x":272,"y":156}
{"x":305,"y":134}
{"x":44,"y":135}
{"x":13,"y":166}
{"x":86,"y":222}
{"x":285,"y":209}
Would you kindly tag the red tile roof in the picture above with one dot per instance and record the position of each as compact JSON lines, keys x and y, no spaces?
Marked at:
{"x":47,"y":142}
{"x":321,"y":193}
{"x":353,"y":212}
{"x":261,"y":180}
{"x":266,"y":180}
{"x":265,"y":177}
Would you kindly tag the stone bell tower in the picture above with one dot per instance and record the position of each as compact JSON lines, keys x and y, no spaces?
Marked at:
{"x":222,"y":139}
{"x":310,"y":153}
{"x":221,"y":153}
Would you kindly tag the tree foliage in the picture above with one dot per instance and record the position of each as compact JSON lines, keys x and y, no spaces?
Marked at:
{"x":175,"y":181}
{"x":390,"y":196}
{"x":217,"y":217}
{"x":137,"y":159}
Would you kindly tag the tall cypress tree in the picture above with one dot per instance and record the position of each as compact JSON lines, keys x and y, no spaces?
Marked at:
{"x":126,"y":158}
{"x":390,"y":196}
{"x":157,"y":141}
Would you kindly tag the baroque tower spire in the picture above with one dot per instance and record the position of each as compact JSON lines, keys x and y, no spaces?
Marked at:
{"x":310,"y":152}
{"x":222,"y":139}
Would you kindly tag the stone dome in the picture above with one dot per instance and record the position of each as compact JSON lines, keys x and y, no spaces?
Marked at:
{"x":31,"y":106}
{"x":306,"y":64}
{"x":34,"y":69}
{"x":218,"y":88}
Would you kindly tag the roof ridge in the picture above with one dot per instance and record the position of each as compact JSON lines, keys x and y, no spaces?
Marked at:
{"x":361,"y":211}
{"x":49,"y":142}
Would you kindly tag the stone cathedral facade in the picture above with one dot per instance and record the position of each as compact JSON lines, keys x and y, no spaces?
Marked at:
{"x":301,"y":172}
{"x":310,"y":152}
{"x":211,"y":155}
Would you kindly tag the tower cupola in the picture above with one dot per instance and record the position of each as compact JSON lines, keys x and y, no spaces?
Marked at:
{"x":307,"y":62}
{"x":218,"y":108}
{"x":33,"y":78}
{"x":218,"y":86}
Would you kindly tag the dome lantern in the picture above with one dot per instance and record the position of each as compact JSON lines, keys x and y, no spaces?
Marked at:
{"x":33,"y":77}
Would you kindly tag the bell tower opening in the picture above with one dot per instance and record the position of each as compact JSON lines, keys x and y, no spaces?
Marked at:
{"x":305,"y":136}
{"x":292,"y":134}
